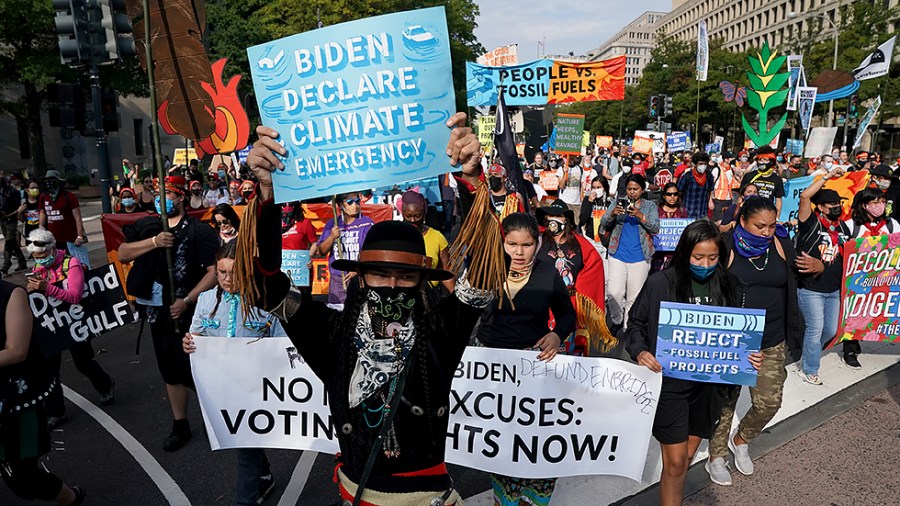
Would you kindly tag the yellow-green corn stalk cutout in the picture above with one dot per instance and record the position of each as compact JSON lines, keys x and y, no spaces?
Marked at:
{"x":765,"y":93}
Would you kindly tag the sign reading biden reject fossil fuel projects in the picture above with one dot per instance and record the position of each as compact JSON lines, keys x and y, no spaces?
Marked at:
{"x":357,"y":105}
{"x":711,"y":344}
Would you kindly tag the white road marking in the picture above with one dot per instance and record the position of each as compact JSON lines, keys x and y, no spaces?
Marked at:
{"x":154,"y":470}
{"x":298,"y":479}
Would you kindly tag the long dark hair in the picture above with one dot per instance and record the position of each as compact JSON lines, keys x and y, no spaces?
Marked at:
{"x":756,"y":204}
{"x":662,"y":195}
{"x":521,"y":221}
{"x":225,"y":251}
{"x":227,"y":211}
{"x":636,"y":178}
{"x":860,"y":201}
{"x":680,"y":285}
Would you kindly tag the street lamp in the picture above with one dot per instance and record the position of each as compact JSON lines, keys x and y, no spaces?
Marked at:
{"x":793,"y":15}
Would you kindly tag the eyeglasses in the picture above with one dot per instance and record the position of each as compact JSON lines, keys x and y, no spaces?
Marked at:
{"x":39,"y":244}
{"x":670,"y":194}
{"x":351,"y":202}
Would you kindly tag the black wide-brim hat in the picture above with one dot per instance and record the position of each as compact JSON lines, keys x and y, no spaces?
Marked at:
{"x":394,"y":245}
{"x":557,"y":208}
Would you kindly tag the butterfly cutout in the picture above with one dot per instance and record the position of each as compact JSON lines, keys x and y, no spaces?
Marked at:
{"x":732,"y":92}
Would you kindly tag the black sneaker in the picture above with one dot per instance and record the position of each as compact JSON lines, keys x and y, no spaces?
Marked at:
{"x":22,"y":267}
{"x":851,"y":360}
{"x":181,"y":434}
{"x":80,"y":494}
{"x":54,"y":422}
{"x":109,"y":397}
{"x":266,"y":486}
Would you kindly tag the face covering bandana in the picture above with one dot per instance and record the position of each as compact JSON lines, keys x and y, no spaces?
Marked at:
{"x":556,"y":227}
{"x":495,"y":183}
{"x":390,"y":307}
{"x":170,"y":206}
{"x":701,"y":273}
{"x":127,"y":202}
{"x":834,"y":214}
{"x":750,"y":245}
{"x":876,"y":210}
{"x":47,"y":260}
{"x":228,"y":233}
{"x":53,"y":188}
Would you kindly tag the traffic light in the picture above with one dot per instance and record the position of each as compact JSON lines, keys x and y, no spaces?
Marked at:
{"x":667,"y":105}
{"x":66,"y":105}
{"x":854,"y":106}
{"x":72,"y":23}
{"x":116,"y":30}
{"x":654,"y":106}
{"x":109,"y":109}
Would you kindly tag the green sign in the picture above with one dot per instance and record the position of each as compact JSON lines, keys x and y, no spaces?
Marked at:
{"x":569,"y":134}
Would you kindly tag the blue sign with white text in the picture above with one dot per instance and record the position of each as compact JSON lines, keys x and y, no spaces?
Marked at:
{"x":670,"y":230}
{"x":357,"y":105}
{"x":710,"y":344}
{"x":678,"y":141}
{"x":295,"y":263}
{"x":525,"y":84}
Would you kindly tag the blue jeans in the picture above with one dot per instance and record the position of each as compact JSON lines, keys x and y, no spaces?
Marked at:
{"x":252,"y":464}
{"x":821,"y":311}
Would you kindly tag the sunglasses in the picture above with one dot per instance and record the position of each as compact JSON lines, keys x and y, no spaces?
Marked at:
{"x":670,"y":194}
{"x":223,"y":222}
{"x":351,"y":202}
{"x":39,"y":244}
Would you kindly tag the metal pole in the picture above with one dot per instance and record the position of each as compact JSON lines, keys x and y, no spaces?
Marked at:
{"x":833,"y":67}
{"x":157,"y":149}
{"x":102,"y":145}
{"x":697,"y":125}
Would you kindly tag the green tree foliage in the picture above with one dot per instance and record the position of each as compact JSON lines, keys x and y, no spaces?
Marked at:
{"x":238,"y":24}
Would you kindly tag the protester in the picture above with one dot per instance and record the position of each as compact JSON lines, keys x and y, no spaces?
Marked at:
{"x":234,"y":193}
{"x":145,"y":197}
{"x":696,"y":186}
{"x":297,"y":233}
{"x":502,"y":200}
{"x":633,"y":220}
{"x":769,"y":185}
{"x":195,"y":200}
{"x":825,"y":165}
{"x":413,"y":210}
{"x":539,"y":193}
{"x":731,"y":214}
{"x":536,"y":288}
{"x":448,"y":201}
{"x":880,"y":178}
{"x":762,"y":258}
{"x":549,"y":177}
{"x":617,"y":185}
{"x":685,"y":165}
{"x":215,"y":195}
{"x":722,"y":196}
{"x":226,"y":222}
{"x":61,"y":215}
{"x":219,"y":314}
{"x":821,"y":236}
{"x":794,"y":168}
{"x":10,"y":204}
{"x":30,"y":209}
{"x":538,"y":163}
{"x":193,"y":173}
{"x":669,"y":208}
{"x":582,"y":272}
{"x":612,"y":167}
{"x":342,"y":239}
{"x":868,"y":218}
{"x":593,"y":207}
{"x":639,"y":164}
{"x":247,"y":189}
{"x":168,"y":308}
{"x":127,"y":203}
{"x":25,"y":437}
{"x":862,"y":162}
{"x":406,"y":444}
{"x":687,"y":411}
{"x":55,"y":266}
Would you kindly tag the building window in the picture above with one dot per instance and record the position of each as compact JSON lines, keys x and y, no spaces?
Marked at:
{"x":24,"y":146}
{"x":138,"y":137}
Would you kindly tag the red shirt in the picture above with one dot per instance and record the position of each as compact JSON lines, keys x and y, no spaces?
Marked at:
{"x":299,"y":237}
{"x":679,"y":170}
{"x":60,"y":220}
{"x":640,"y":168}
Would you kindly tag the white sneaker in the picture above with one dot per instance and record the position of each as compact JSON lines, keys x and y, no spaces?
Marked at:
{"x":718,"y":471}
{"x":812,"y":379}
{"x":741,"y":455}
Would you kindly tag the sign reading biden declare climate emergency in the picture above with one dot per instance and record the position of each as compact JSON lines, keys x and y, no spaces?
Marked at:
{"x":711,"y":344}
{"x":357,"y":105}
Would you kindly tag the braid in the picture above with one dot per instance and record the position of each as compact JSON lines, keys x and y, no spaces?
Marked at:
{"x":218,"y":301}
{"x":424,"y":328}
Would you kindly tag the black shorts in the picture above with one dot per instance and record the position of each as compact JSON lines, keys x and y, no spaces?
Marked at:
{"x":173,"y":363}
{"x":688,"y":408}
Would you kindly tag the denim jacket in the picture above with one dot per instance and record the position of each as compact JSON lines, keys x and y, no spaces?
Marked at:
{"x":648,"y":227}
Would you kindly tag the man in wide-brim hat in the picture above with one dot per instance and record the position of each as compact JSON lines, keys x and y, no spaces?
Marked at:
{"x":388,"y":359}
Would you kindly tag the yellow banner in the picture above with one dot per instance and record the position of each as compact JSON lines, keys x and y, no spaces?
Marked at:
{"x":486,"y":130}
{"x":604,"y":141}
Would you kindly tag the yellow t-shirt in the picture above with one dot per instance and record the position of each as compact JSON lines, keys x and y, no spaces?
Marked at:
{"x":434,"y":244}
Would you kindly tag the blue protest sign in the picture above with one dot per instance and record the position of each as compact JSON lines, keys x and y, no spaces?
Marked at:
{"x":358,"y":105}
{"x":242,"y":155}
{"x":669,"y":233}
{"x":790,"y":203}
{"x":678,"y":141}
{"x":710,"y":344}
{"x":713,"y":148}
{"x":295,"y":263}
{"x":526,"y":84}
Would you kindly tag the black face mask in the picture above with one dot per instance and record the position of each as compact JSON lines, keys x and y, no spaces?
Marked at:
{"x":388,"y":305}
{"x":834,"y":214}
{"x":53,"y":187}
{"x":247,"y":193}
{"x":195,"y":192}
{"x":556,"y":227}
{"x":495,"y":183}
{"x":798,"y":165}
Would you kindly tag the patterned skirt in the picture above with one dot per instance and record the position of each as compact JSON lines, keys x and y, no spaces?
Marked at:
{"x":509,"y":491}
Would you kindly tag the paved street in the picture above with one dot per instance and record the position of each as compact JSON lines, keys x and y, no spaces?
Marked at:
{"x":116,"y":452}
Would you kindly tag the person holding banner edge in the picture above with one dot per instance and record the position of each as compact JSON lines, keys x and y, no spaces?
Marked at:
{"x":389,"y":452}
{"x":821,"y":235}
{"x":688,"y":411}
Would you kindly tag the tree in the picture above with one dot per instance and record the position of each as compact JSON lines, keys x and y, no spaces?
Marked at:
{"x":238,"y":24}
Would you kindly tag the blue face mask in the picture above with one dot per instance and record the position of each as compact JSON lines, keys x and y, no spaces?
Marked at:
{"x":127,"y":202}
{"x":701,"y":273}
{"x":170,"y":206}
{"x":47,"y":260}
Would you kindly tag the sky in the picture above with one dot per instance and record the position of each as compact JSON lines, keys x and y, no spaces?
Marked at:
{"x":579,"y":25}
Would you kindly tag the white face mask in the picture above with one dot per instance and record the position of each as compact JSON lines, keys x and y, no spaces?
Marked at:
{"x":827,"y":165}
{"x":626,"y":169}
{"x":701,"y":168}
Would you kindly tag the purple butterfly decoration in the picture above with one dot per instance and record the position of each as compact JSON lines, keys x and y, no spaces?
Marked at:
{"x":732,"y":92}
